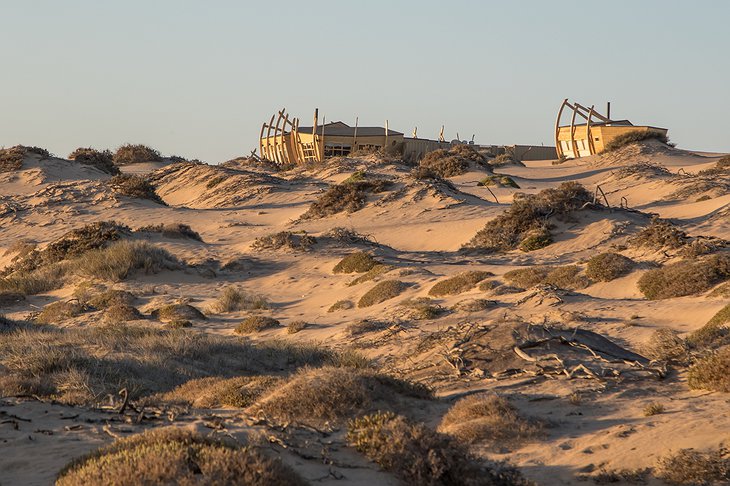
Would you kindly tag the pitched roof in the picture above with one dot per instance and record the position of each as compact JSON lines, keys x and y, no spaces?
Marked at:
{"x":340,"y":129}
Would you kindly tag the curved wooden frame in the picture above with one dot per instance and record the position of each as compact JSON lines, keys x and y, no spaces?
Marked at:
{"x":558,"y":148}
{"x":589,"y":135}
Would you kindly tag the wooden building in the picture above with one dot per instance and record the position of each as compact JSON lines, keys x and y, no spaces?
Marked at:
{"x":592,"y":134}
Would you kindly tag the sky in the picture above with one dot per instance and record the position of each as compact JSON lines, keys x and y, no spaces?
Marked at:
{"x":197,"y":79}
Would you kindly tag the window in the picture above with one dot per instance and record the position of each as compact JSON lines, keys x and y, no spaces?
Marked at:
{"x":336,"y":150}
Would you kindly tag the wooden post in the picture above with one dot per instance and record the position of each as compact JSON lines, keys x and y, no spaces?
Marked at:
{"x":354,"y":136}
{"x":441,"y":134}
{"x":321,"y":152}
{"x":386,"y":134}
{"x":608,"y":110}
{"x":591,"y":145}
{"x":415,"y":132}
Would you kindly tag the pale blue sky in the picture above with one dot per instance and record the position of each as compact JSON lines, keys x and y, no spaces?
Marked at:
{"x":198,"y":78}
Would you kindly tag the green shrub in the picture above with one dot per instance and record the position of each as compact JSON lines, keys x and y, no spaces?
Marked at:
{"x":660,"y":234}
{"x":253,"y":324}
{"x":122,"y":258}
{"x":135,"y":154}
{"x":109,"y":298}
{"x":498,"y":180}
{"x":458,"y":284}
{"x":11,"y":158}
{"x":711,"y":373}
{"x":685,"y":277}
{"x":536,"y":239}
{"x":101,"y":159}
{"x":346,"y":197}
{"x":635,"y":136}
{"x":285,"y":239}
{"x":565,"y":277}
{"x":381,"y":292}
{"x":608,"y":266}
{"x":358,"y":262}
{"x":135,"y":186}
{"x":653,"y":408}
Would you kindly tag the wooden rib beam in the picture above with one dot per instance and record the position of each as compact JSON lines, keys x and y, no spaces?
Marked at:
{"x":572,"y":132}
{"x":558,"y":148}
{"x":591,"y":145}
{"x":261,"y":140}
{"x":268,"y":138}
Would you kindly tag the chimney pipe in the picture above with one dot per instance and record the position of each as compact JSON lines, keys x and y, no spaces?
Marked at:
{"x":608,"y":110}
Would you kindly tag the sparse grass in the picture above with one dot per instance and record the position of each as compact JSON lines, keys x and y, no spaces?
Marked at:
{"x":285,"y":239}
{"x":11,"y":158}
{"x":690,"y":467}
{"x":109,"y":298}
{"x":381,"y":292}
{"x":488,"y":285}
{"x":489,"y":419}
{"x":528,"y":213}
{"x":608,"y":266}
{"x":536,"y":239}
{"x":35,"y":281}
{"x":213,"y":392}
{"x":474,"y":305}
{"x":135,"y":154}
{"x":653,"y":408}
{"x":372,"y":274}
{"x":178,"y":312}
{"x":346,"y":197}
{"x":502,"y":159}
{"x":358,"y":262}
{"x":177,"y":324}
{"x":101,"y":159}
{"x":172,"y":230}
{"x":135,"y":186}
{"x":660,"y":234}
{"x":296,"y":326}
{"x":715,"y":333}
{"x":685,"y":277}
{"x":121,"y":313}
{"x":564,"y":277}
{"x":711,"y":373}
{"x":634,"y":137}
{"x":666,"y":345}
{"x":365,"y":326}
{"x":441,"y":163}
{"x":235,"y":299}
{"x":460,"y":283}
{"x":329,"y":394}
{"x":341,"y":305}
{"x":59,"y":311}
{"x":253,"y":324}
{"x":422,"y":308}
{"x":499,"y":181}
{"x":346,"y":235}
{"x":419,"y":456}
{"x":122,"y":258}
{"x":176,"y":456}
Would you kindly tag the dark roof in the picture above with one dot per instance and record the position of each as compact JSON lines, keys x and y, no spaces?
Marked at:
{"x":340,"y":129}
{"x":615,"y":123}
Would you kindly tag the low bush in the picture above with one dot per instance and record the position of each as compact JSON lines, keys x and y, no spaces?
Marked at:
{"x":285,"y":239}
{"x":213,"y":391}
{"x":135,"y":154}
{"x":296,"y":326}
{"x":458,"y":284}
{"x":608,"y":266}
{"x":35,"y":281}
{"x":536,"y":239}
{"x":666,"y":345}
{"x":108,"y":298}
{"x":499,"y":181}
{"x":660,"y":234}
{"x":176,"y":456}
{"x":564,"y":277}
{"x":135,"y":186}
{"x":365,"y":326}
{"x":234,"y":299}
{"x":528,"y":213}
{"x":422,"y":308}
{"x":11,"y":158}
{"x":253,"y":324}
{"x":685,"y":277}
{"x":715,"y":333}
{"x":711,"y":373}
{"x":122,"y":258}
{"x":358,"y":262}
{"x":653,"y":408}
{"x":381,"y":292}
{"x":346,"y":197}
{"x":690,"y":467}
{"x":419,"y":456}
{"x":474,"y":305}
{"x":635,"y":136}
{"x":441,"y":163}
{"x":341,"y":305}
{"x":372,"y":274}
{"x":117,"y":313}
{"x":502,"y":160}
{"x":101,"y":159}
{"x":59,"y":311}
{"x":178,"y":312}
{"x":172,"y":230}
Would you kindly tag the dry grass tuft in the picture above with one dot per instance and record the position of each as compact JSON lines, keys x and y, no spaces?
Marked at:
{"x":122,"y":258}
{"x":422,"y":308}
{"x":285,"y":239}
{"x":474,"y":305}
{"x":350,"y":196}
{"x":59,"y":311}
{"x":685,"y":277}
{"x":565,"y":277}
{"x":460,"y":283}
{"x":135,"y":154}
{"x":711,"y":373}
{"x":178,"y":312}
{"x":108,"y":298}
{"x":715,"y":333}
{"x":172,"y":230}
{"x":176,"y":456}
{"x":372,"y":274}
{"x":653,"y":408}
{"x":117,"y":313}
{"x":666,"y":345}
{"x":341,"y":305}
{"x":234,"y":299}
{"x":660,"y":234}
{"x":253,"y":324}
{"x":490,"y":419}
{"x":296,"y":326}
{"x":381,"y":292}
{"x":101,"y":159}
{"x":213,"y":392}
{"x":499,"y":181}
{"x":529,"y":213}
{"x":635,"y":136}
{"x":135,"y":186}
{"x":419,"y":456}
{"x":608,"y":266}
{"x":358,"y":262}
{"x":690,"y":467}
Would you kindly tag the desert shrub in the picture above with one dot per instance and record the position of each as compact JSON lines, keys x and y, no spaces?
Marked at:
{"x":36,"y":281}
{"x":653,"y":408}
{"x":172,"y":230}
{"x":713,"y":334}
{"x":660,"y":234}
{"x":372,"y":274}
{"x":296,"y":326}
{"x":502,"y":159}
{"x":176,"y":312}
{"x":460,"y":283}
{"x":135,"y":186}
{"x":712,"y":372}
{"x":59,"y":311}
{"x":528,"y":213}
{"x":498,"y":180}
{"x":285,"y":239}
{"x":176,"y":456}
{"x":723,"y":163}
{"x":135,"y":154}
{"x":381,"y":292}
{"x":121,"y":313}
{"x":608,"y":266}
{"x":212,"y":391}
{"x":488,"y":285}
{"x":633,"y":137}
{"x":253,"y":324}
{"x":122,"y":258}
{"x":536,"y":239}
{"x":233,"y":299}
{"x":441,"y":163}
{"x":341,"y":305}
{"x":488,"y":418}
{"x":365,"y":326}
{"x":666,"y":345}
{"x":177,"y":324}
{"x":474,"y":305}
{"x":346,"y":197}
{"x":12,"y":158}
{"x":685,"y":277}
{"x":622,"y":476}
{"x":109,"y":298}
{"x":422,"y":308}
{"x":101,"y":159}
{"x":346,"y":235}
{"x":565,"y":277}
{"x":330,"y":394}
{"x":690,"y":467}
{"x":419,"y":456}
{"x":358,"y":262}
